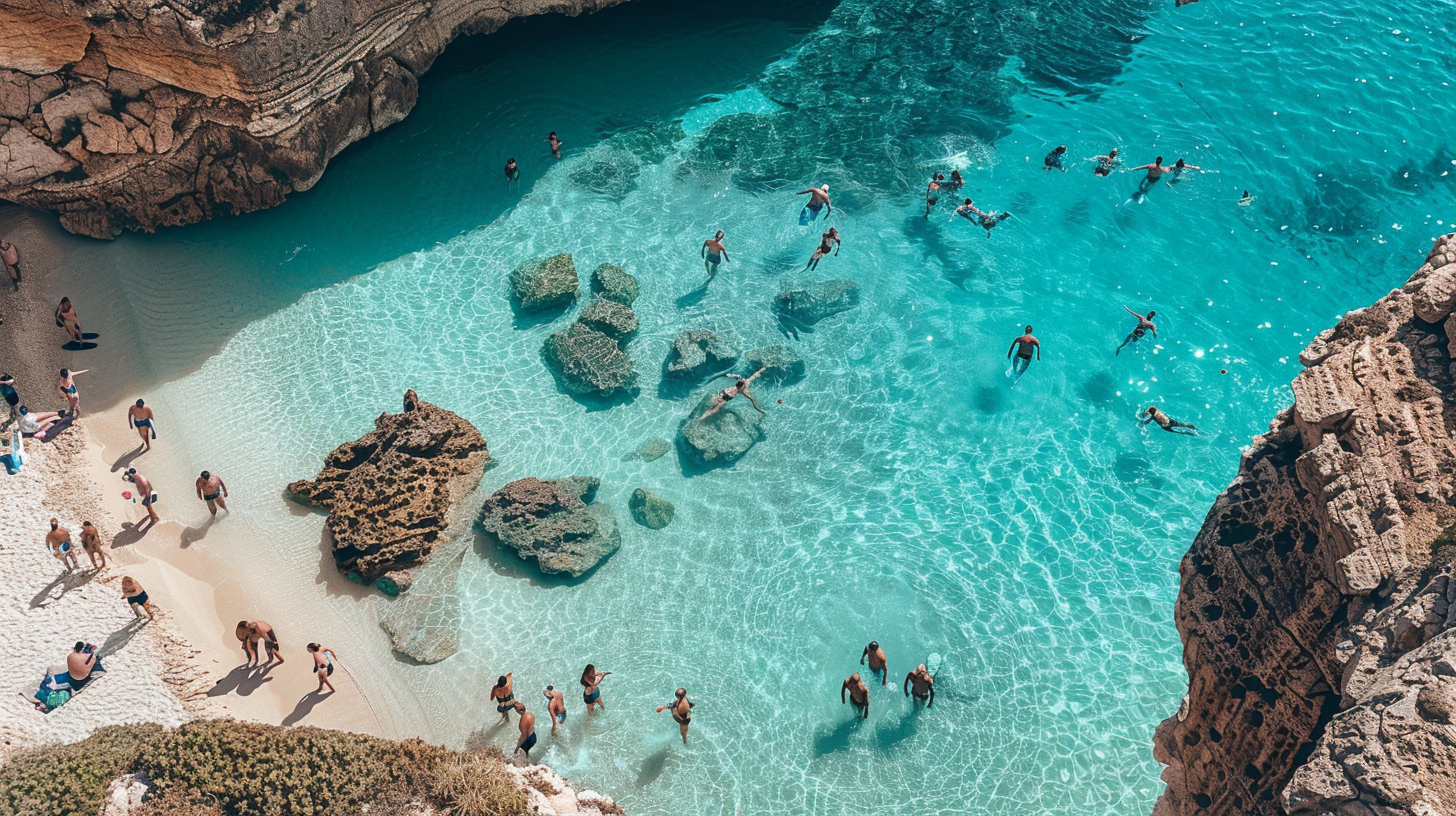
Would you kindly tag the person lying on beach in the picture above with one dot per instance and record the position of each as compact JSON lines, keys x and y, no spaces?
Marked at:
{"x":738,"y":388}
{"x":66,"y":389}
{"x":555,"y":706}
{"x":591,"y":692}
{"x":411,"y":400}
{"x":67,"y":319}
{"x":139,"y":417}
{"x":145,"y":492}
{"x":878,"y":663}
{"x":829,"y":240}
{"x":11,"y":257}
{"x":33,"y":424}
{"x":513,"y":170}
{"x":859,"y":694}
{"x":323,"y":665}
{"x":504,"y":695}
{"x":682,"y":712}
{"x":91,"y":543}
{"x":212,"y":490}
{"x":932,"y":192}
{"x":1178,"y":168}
{"x":528,"y":730}
{"x":975,"y":215}
{"x":1167,"y":423}
{"x":921,"y":684}
{"x":1105,"y":164}
{"x":713,"y":253}
{"x":59,"y":542}
{"x":1145,"y":325}
{"x":136,"y":598}
{"x":1053,"y":160}
{"x":818,"y":200}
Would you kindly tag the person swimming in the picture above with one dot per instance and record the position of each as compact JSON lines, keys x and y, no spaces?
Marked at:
{"x":829,"y":240}
{"x":1053,"y":160}
{"x":1144,"y":325}
{"x":818,"y":200}
{"x":739,"y":388}
{"x":513,"y":170}
{"x":1177,"y":170}
{"x":1155,"y":173}
{"x":1023,"y":346}
{"x":972,"y":213}
{"x":932,"y":192}
{"x":1106,"y":163}
{"x":555,"y":144}
{"x":1167,"y":423}
{"x":1245,"y":199}
{"x":713,"y":253}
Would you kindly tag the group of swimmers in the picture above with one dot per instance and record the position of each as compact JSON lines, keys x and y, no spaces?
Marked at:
{"x":918,"y":684}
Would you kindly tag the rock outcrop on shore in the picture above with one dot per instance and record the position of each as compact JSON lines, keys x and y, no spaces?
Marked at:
{"x":1316,"y":606}
{"x":398,"y":493}
{"x":555,"y":523}
{"x":131,"y":116}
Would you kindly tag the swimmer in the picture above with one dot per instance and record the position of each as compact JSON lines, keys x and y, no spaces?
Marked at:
{"x":971,"y":213}
{"x":713,"y":253}
{"x":682,"y":711}
{"x":12,"y":398}
{"x":555,"y":706}
{"x":955,"y":182}
{"x":818,"y":200}
{"x":66,"y":389}
{"x":555,"y":144}
{"x":932,"y":192}
{"x":91,"y":543}
{"x":922,"y":684}
{"x":859,"y":695}
{"x":139,"y":417}
{"x":323,"y":665}
{"x":1245,"y":199}
{"x":1178,"y":168}
{"x":504,"y":695}
{"x":528,"y":730}
{"x":829,"y":240}
{"x":1167,"y":423}
{"x":1053,"y":160}
{"x":738,"y":388}
{"x":59,"y":542}
{"x":877,"y":661}
{"x":144,"y":491}
{"x":66,"y":319}
{"x":1023,"y":346}
{"x":1155,"y":172}
{"x":1145,"y":325}
{"x":212,"y":489}
{"x":1106,"y":163}
{"x":513,"y":170}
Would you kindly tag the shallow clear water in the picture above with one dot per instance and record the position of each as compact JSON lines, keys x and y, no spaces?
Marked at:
{"x":904,"y":493}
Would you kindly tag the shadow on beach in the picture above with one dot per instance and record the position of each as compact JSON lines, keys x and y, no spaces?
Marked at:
{"x":244,"y":680}
{"x":65,"y":582}
{"x":305,"y":706}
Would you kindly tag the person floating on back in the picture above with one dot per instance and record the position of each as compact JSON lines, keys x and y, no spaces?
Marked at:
{"x":1106,"y":163}
{"x":713,"y":253}
{"x":739,"y":388}
{"x":1167,"y":423}
{"x":555,"y":144}
{"x":859,"y":695}
{"x":139,"y":417}
{"x":829,"y":240}
{"x":1053,"y":160}
{"x":975,"y":215}
{"x":920,"y":685}
{"x":1144,"y":325}
{"x":1023,"y":346}
{"x":879,"y":665}
{"x":818,"y":200}
{"x":212,"y":489}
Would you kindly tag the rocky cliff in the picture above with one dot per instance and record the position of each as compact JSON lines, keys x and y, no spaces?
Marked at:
{"x":1316,"y":602}
{"x":134,"y":114}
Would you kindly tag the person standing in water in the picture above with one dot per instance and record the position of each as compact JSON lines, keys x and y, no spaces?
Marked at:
{"x":528,"y":730}
{"x":1155,"y":172}
{"x":682,"y":711}
{"x":1177,"y":170}
{"x":212,"y":490}
{"x":921,"y":684}
{"x":323,"y":666}
{"x":59,"y":542}
{"x":1023,"y":346}
{"x":145,"y":493}
{"x":859,"y":694}
{"x":591,"y":691}
{"x":91,"y":543}
{"x":513,"y":170}
{"x":1106,"y":163}
{"x":818,"y":200}
{"x":829,"y":240}
{"x":555,"y":144}
{"x":11,"y":257}
{"x":66,"y":389}
{"x":713,"y":253}
{"x":504,"y":695}
{"x":879,"y":665}
{"x":555,"y":707}
{"x":932,"y":192}
{"x":1145,"y":325}
{"x":1053,"y":160}
{"x":1167,"y":423}
{"x":739,"y":388}
{"x":139,"y":417}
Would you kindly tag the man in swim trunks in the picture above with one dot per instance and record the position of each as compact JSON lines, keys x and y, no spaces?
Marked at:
{"x":877,"y":661}
{"x":212,"y":490}
{"x":249,"y":639}
{"x":682,"y":711}
{"x":972,"y":213}
{"x":1178,"y":168}
{"x":11,"y":257}
{"x":513,"y":170}
{"x":1106,"y":163}
{"x":932,"y":192}
{"x":411,"y":400}
{"x":145,"y":493}
{"x":80,"y":663}
{"x":1023,"y":346}
{"x":859,"y":694}
{"x":1053,"y":160}
{"x":139,"y":416}
{"x":91,"y":543}
{"x":1167,"y":423}
{"x":739,"y":388}
{"x":66,"y":389}
{"x":1155,"y":172}
{"x":818,"y":200}
{"x":59,"y":541}
{"x":555,"y":706}
{"x":922,"y":684}
{"x":528,"y":730}
{"x":713,"y":253}
{"x":1145,"y":325}
{"x":555,"y":144}
{"x":504,"y":695}
{"x":829,"y":240}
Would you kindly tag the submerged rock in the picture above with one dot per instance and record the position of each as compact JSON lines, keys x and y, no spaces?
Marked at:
{"x":545,"y":283}
{"x":554,"y":523}
{"x":816,"y":301}
{"x":651,"y":450}
{"x":589,"y":362}
{"x":779,"y":363}
{"x":610,"y":318}
{"x":697,"y":353}
{"x":614,"y":283}
{"x":722,"y":438}
{"x":650,"y":509}
{"x":395,"y":494}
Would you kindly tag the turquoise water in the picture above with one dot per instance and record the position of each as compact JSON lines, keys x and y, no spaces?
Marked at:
{"x":904,"y":493}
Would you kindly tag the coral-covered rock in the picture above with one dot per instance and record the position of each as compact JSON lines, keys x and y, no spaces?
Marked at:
{"x":814,"y":302}
{"x":396,"y":494}
{"x":614,"y":283}
{"x":554,"y":523}
{"x":697,"y":353}
{"x":545,"y":283}
{"x":649,"y":451}
{"x":610,"y":318}
{"x":650,"y":509}
{"x":586,"y":361}
{"x":779,"y":363}
{"x":722,"y":438}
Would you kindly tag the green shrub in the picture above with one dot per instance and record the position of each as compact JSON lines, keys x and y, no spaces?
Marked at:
{"x":67,"y":779}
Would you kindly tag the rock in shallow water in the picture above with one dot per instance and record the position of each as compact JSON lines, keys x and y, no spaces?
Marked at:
{"x":697,"y":353}
{"x":545,"y":283}
{"x":610,"y":318}
{"x":589,"y":362}
{"x":651,"y":450}
{"x":816,"y":301}
{"x":553,"y":523}
{"x":613,"y":282}
{"x":650,"y":509}
{"x":779,"y":363}
{"x":722,"y":438}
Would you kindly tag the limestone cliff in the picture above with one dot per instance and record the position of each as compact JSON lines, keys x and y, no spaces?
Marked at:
{"x":134,"y":114}
{"x":1315,"y":607}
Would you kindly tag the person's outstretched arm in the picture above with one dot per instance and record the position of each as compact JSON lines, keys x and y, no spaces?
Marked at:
{"x":842,"y":690}
{"x":1037,"y":345}
{"x":753,"y":402}
{"x":1013,"y":348}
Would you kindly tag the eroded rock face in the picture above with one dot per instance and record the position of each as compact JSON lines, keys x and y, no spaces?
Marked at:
{"x":586,"y":361}
{"x":650,"y":509}
{"x":779,"y":363}
{"x":545,"y":283}
{"x":395,"y":495}
{"x":554,"y":523}
{"x":121,"y":115}
{"x":1315,"y":602}
{"x":609,"y":317}
{"x":613,"y":283}
{"x":697,"y":353}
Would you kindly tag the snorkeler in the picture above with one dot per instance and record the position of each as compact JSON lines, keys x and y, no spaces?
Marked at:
{"x":1155,"y":172}
{"x":829,"y":240}
{"x":1178,"y":168}
{"x":1167,"y":423}
{"x":859,"y":695}
{"x":1245,"y":199}
{"x":1053,"y":160}
{"x":139,"y":417}
{"x":1023,"y":346}
{"x":877,"y":661}
{"x":555,"y":144}
{"x":513,"y":170}
{"x":738,"y":388}
{"x":713,"y":253}
{"x":987,"y":220}
{"x":1106,"y":163}
{"x":818,"y":200}
{"x":1145,"y":325}
{"x":932,"y":192}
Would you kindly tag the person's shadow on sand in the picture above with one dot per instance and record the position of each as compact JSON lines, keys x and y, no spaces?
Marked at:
{"x":192,"y":535}
{"x":305,"y":706}
{"x":244,"y":680}
{"x":65,"y":582}
{"x":126,"y":459}
{"x":131,"y":533}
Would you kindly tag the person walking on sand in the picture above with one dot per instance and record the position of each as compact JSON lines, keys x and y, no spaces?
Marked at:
{"x":139,"y":417}
{"x":145,"y":492}
{"x":136,"y":598}
{"x":250,"y":633}
{"x":591,"y":691}
{"x":513,"y":170}
{"x":528,"y":730}
{"x":739,"y":388}
{"x":1144,"y":325}
{"x":1167,"y":423}
{"x":1155,"y":172}
{"x":818,"y":200}
{"x":877,"y":661}
{"x":922,"y":685}
{"x":59,"y":542}
{"x":1053,"y":160}
{"x":1105,"y":164}
{"x":1023,"y":346}
{"x":67,"y":319}
{"x":932,"y":192}
{"x":682,"y":711}
{"x":859,"y":694}
{"x":555,"y":144}
{"x":11,"y":257}
{"x":713,"y":253}
{"x":66,"y":390}
{"x":323,"y":666}
{"x":91,"y":543}
{"x":829,"y":240}
{"x":555,"y":706}
{"x":504,"y":695}
{"x":212,"y":490}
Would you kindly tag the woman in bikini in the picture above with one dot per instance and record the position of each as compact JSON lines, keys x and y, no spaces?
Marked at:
{"x":591,"y":692}
{"x":323,"y":665}
{"x":66,"y":389}
{"x":739,"y":388}
{"x":830,"y":241}
{"x":504,"y":695}
{"x":136,"y":597}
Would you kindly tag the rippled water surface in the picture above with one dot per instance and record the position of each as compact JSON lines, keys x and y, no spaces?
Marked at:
{"x":904,"y":492}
